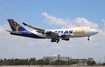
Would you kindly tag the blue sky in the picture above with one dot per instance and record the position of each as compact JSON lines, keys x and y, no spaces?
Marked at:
{"x":52,"y":14}
{"x":30,"y":11}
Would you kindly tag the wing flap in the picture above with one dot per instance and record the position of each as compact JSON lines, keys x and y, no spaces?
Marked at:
{"x":54,"y":33}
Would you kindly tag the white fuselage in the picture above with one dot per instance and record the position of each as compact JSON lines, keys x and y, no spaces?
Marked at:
{"x":72,"y":32}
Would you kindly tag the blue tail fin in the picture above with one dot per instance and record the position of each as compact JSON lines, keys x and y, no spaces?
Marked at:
{"x":15,"y":26}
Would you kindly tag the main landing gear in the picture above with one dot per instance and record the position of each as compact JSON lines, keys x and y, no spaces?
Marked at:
{"x":54,"y":40}
{"x":88,"y":38}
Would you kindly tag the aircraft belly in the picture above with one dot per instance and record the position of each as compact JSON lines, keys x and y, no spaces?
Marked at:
{"x":38,"y":34}
{"x":29,"y":35}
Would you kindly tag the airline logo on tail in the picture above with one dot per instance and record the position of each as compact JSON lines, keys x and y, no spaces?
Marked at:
{"x":14,"y":24}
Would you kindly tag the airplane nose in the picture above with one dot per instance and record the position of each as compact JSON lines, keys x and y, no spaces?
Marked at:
{"x":96,"y":31}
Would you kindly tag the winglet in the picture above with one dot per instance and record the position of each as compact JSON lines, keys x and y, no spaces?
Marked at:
{"x":24,"y":23}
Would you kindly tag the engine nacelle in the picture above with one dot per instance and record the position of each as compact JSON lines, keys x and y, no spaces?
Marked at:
{"x":66,"y":39}
{"x":48,"y":32}
{"x":63,"y":35}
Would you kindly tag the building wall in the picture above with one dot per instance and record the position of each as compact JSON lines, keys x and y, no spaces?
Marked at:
{"x":54,"y":58}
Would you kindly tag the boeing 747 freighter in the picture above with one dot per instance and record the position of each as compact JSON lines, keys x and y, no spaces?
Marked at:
{"x":54,"y":34}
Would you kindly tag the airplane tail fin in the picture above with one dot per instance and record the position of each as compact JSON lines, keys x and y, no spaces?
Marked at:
{"x":15,"y":26}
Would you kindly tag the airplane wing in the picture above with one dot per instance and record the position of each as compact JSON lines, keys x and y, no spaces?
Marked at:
{"x":39,"y":30}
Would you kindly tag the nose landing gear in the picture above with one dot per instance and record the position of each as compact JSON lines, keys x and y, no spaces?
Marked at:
{"x":88,"y":38}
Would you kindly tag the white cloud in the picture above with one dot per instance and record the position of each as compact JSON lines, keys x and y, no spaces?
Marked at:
{"x":14,"y":46}
{"x":53,"y":20}
{"x":103,"y":21}
{"x":68,"y":22}
{"x":84,"y":22}
{"x":104,"y":24}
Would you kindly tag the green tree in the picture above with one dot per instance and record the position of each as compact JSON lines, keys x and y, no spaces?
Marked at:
{"x":40,"y":62}
{"x":70,"y":62}
{"x":5,"y":62}
{"x":91,"y":61}
{"x":1,"y":61}
{"x":47,"y":61}
{"x":32,"y":61}
{"x":103,"y":64}
{"x":59,"y":62}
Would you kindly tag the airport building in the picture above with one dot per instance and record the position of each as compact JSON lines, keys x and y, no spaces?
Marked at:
{"x":58,"y":57}
{"x":65,"y":58}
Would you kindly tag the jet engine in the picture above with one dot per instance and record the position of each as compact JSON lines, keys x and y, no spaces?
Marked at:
{"x":63,"y":35}
{"x":66,"y":39}
{"x":48,"y":32}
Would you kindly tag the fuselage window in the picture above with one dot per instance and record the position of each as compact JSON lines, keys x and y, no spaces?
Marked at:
{"x":58,"y":31}
{"x":70,"y":31}
{"x":55,"y":31}
{"x":66,"y":32}
{"x":61,"y":31}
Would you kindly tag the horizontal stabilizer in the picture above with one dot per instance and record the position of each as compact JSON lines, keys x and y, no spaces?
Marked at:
{"x":14,"y":32}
